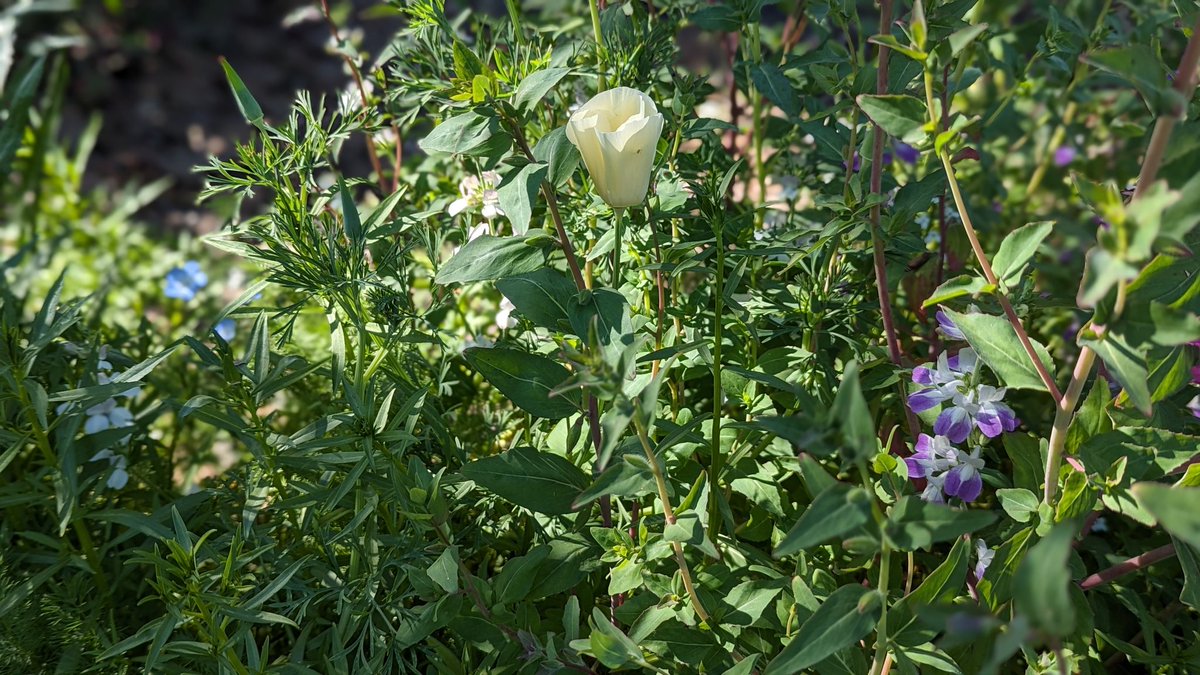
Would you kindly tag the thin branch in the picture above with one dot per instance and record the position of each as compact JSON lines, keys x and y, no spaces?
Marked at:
{"x":1185,"y":85}
{"x":372,"y":151}
{"x":1128,"y":567}
{"x":881,"y":282}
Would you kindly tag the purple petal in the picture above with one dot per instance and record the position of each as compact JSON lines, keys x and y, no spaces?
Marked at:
{"x":915,"y":470}
{"x":907,"y":153}
{"x":953,"y":423}
{"x":949,"y":329}
{"x":989,"y":423}
{"x":964,"y":483}
{"x":922,"y":375}
{"x":952,"y":362}
{"x":980,"y":570}
{"x":1064,"y":156}
{"x":924,"y":444}
{"x":924,"y":400}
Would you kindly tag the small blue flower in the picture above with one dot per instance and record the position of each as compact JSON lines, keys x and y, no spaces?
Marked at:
{"x":182,"y":283}
{"x":225,"y":329}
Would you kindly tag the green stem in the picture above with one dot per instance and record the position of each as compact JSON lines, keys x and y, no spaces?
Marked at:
{"x":594,"y":8}
{"x":881,"y":640}
{"x":1185,"y":84}
{"x":618,"y":224}
{"x":715,"y":461}
{"x":660,"y":481}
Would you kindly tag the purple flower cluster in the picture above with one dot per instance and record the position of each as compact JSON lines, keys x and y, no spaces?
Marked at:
{"x":966,"y":405}
{"x":971,"y":406}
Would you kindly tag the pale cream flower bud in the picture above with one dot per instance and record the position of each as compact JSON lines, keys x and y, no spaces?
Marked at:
{"x":616,"y":133}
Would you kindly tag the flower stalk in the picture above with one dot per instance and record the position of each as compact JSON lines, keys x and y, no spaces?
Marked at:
{"x":669,"y":514}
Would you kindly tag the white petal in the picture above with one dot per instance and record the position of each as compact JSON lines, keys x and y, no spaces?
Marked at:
{"x":457,"y":206}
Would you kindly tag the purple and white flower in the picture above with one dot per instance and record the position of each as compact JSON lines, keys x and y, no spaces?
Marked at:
{"x":942,"y":382}
{"x":947,"y":328}
{"x":983,"y":558}
{"x":970,"y":406}
{"x":965,"y":480}
{"x":948,"y":471}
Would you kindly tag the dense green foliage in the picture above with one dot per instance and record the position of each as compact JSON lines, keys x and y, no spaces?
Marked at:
{"x":888,"y":372}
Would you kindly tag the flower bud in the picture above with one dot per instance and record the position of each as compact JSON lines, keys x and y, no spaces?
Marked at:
{"x":616,"y":133}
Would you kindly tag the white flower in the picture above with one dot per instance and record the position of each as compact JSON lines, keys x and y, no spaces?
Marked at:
{"x":478,"y":192}
{"x":617,"y":132}
{"x":504,"y":317}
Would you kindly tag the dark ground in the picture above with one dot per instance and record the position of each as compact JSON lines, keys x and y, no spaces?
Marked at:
{"x":151,"y":71}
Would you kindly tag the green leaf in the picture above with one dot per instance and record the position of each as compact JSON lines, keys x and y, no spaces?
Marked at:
{"x":1042,"y":585}
{"x":516,"y":580}
{"x":1102,"y":270}
{"x":536,"y":86}
{"x":1150,"y":453}
{"x":245,"y":100}
{"x":350,"y":219}
{"x":538,"y":481}
{"x":687,"y":529}
{"x":604,"y":313}
{"x":444,"y":570}
{"x":772,"y":83}
{"x":851,"y":414}
{"x":718,"y":18}
{"x":963,"y":37}
{"x":842,"y":620}
{"x":1017,"y":249}
{"x":914,"y":524}
{"x":1092,"y":418}
{"x":964,"y":284}
{"x":891,"y":42}
{"x":1020,"y":504}
{"x":460,"y":134}
{"x":1127,"y":366}
{"x":1189,"y":560}
{"x":13,"y":131}
{"x":746,"y":603}
{"x":487,"y":257}
{"x":528,"y":379}
{"x":556,"y":150}
{"x":838,"y":511}
{"x":1177,"y":509}
{"x":685,"y":644}
{"x":900,"y":116}
{"x":1140,"y":65}
{"x":997,"y":344}
{"x":569,"y":560}
{"x":518,"y":193}
{"x":609,"y":645}
{"x":545,"y":296}
{"x":942,"y":585}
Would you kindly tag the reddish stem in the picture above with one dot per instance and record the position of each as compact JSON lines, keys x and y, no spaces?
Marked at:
{"x":1127,"y":567}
